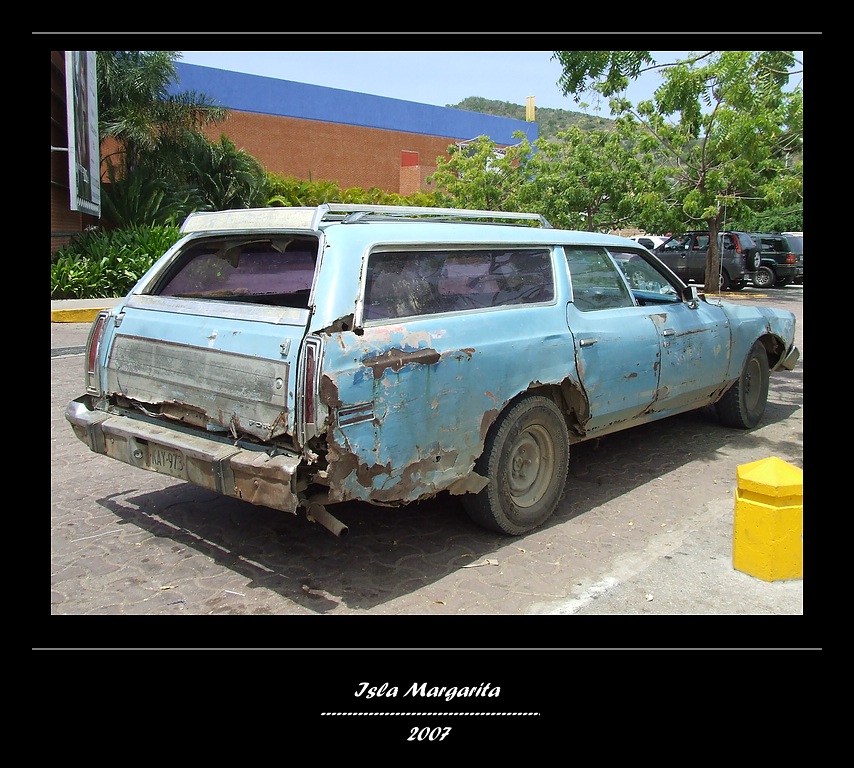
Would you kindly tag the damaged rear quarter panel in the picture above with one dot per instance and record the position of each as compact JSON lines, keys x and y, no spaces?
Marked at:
{"x":412,"y":401}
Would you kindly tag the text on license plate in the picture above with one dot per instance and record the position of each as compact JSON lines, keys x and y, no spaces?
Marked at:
{"x":166,"y":461}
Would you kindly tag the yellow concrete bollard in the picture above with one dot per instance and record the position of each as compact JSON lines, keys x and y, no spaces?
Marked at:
{"x":768,"y":534}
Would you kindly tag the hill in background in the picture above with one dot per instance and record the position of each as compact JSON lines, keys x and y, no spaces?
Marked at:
{"x":551,"y":121}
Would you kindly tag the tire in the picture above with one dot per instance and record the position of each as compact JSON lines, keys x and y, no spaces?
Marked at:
{"x":724,"y":282}
{"x":764,"y":277}
{"x":526,"y":460}
{"x":757,"y":260}
{"x":743,"y":404}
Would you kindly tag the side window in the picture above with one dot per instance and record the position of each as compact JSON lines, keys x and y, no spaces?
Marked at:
{"x":410,"y":283}
{"x":648,"y":282}
{"x":596,"y":281}
{"x":401,"y":284}
{"x":701,"y":242}
{"x":677,"y":243}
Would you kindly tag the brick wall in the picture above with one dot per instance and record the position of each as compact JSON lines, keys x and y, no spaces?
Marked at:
{"x":351,"y":156}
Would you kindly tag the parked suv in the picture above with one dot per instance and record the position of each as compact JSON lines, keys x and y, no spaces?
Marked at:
{"x":686,"y":255}
{"x":782,"y":260}
{"x":299,"y":357}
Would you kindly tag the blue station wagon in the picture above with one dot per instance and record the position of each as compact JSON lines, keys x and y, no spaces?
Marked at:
{"x":300,"y":357}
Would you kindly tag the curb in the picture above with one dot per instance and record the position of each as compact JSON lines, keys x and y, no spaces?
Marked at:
{"x":74,"y":315}
{"x":79,"y":310}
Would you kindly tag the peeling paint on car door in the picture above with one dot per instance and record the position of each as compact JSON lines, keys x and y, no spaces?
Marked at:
{"x":618,"y":360}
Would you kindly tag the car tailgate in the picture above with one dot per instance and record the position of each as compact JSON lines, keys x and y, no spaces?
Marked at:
{"x":219,"y":366}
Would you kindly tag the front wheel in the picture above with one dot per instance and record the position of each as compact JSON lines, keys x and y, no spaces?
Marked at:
{"x":744,"y":403}
{"x":526,"y":460}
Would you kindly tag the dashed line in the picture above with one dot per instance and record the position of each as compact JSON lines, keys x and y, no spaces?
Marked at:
{"x":421,"y":714}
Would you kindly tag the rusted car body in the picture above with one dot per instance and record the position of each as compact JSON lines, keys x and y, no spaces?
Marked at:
{"x":299,"y":357}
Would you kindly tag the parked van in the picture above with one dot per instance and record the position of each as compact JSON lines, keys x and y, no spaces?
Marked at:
{"x":300,"y":357}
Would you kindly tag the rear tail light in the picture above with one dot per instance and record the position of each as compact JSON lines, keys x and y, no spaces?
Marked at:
{"x":737,"y":244}
{"x":791,"y":258}
{"x":93,"y":348}
{"x":308,"y":396}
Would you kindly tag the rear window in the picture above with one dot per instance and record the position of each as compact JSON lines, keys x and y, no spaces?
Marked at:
{"x":796,"y":244}
{"x":410,"y":283}
{"x":277,"y":271}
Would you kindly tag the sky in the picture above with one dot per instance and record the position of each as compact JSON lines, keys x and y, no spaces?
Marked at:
{"x":427,"y":77}
{"x":431,"y":77}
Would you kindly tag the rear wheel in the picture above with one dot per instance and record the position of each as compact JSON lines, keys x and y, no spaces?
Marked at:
{"x":724,"y":282}
{"x":744,"y":403}
{"x":764,"y":277}
{"x":526,"y":460}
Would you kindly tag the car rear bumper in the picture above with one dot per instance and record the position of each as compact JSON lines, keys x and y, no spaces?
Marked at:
{"x":787,"y":271}
{"x":250,"y":475}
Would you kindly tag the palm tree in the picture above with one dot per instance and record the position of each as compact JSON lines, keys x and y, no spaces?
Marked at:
{"x":163,"y":166}
{"x":136,"y":109}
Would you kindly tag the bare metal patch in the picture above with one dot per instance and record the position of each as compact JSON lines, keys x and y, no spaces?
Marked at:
{"x":486,"y":422}
{"x":329,"y":392}
{"x":395,"y":359}
{"x":471,"y":483}
{"x":412,"y":485}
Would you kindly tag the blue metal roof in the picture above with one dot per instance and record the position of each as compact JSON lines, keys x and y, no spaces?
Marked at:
{"x":286,"y":98}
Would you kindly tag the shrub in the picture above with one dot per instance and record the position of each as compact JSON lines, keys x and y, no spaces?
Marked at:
{"x":99,"y":264}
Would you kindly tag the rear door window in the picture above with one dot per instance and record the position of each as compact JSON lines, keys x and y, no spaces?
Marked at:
{"x":411,"y":283}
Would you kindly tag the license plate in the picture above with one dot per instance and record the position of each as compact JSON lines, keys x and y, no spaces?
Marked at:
{"x":166,"y":461}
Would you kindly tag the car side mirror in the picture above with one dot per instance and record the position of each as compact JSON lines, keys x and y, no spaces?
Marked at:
{"x":691,"y":296}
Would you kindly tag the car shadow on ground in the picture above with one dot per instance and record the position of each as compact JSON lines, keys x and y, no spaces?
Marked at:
{"x":391,"y":553}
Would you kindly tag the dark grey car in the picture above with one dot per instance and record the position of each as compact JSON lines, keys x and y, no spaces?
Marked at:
{"x":782,"y":260}
{"x":686,"y":255}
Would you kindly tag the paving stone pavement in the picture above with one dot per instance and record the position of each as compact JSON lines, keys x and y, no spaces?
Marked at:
{"x":644,"y":528}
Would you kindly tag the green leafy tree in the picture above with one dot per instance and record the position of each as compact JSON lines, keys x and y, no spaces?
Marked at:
{"x":735,"y":145}
{"x":480,"y":176}
{"x":585,"y":179}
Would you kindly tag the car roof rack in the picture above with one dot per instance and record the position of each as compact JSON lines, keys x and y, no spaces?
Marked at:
{"x":353,"y":212}
{"x":311,"y":218}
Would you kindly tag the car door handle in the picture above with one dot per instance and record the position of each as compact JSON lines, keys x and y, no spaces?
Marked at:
{"x":668,"y":332}
{"x":587,"y":342}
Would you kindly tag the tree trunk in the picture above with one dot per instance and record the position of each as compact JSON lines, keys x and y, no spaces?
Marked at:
{"x":712,"y":282}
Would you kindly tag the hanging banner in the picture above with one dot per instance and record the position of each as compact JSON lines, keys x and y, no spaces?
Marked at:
{"x":84,"y":150}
